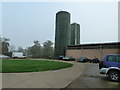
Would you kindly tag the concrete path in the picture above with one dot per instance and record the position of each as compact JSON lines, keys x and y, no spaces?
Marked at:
{"x":48,"y":79}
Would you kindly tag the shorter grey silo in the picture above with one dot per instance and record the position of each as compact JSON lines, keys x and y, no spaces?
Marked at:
{"x":75,"y":34}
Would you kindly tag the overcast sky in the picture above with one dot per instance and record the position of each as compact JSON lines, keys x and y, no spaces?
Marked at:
{"x":24,"y":22}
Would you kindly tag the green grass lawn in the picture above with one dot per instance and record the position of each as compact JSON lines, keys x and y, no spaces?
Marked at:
{"x":10,"y":66}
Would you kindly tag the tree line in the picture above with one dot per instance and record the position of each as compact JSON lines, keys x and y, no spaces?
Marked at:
{"x":38,"y":50}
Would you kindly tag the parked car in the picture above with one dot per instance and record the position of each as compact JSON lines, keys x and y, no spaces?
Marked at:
{"x":61,"y":57}
{"x":71,"y":58}
{"x":82,"y":59}
{"x":96,"y":60}
{"x":4,"y":56}
{"x":110,"y":66}
{"x":68,"y":58}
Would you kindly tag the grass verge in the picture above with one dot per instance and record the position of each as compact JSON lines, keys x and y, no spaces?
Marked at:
{"x":16,"y":66}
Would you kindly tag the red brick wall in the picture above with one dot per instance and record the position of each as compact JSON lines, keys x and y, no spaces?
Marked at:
{"x":91,"y":53}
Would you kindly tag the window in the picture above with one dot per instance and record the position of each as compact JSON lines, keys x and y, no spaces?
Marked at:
{"x":113,"y":58}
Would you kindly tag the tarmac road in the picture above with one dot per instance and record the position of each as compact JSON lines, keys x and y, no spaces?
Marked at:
{"x":92,"y":79}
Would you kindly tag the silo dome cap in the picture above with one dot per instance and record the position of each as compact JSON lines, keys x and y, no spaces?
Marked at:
{"x":63,"y":12}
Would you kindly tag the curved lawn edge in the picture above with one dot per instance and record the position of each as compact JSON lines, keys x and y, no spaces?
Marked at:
{"x":20,"y":66}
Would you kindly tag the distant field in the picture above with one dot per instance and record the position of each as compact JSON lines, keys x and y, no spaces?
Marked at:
{"x":10,"y":66}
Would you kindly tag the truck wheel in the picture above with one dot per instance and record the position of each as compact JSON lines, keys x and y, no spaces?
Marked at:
{"x":114,"y":75}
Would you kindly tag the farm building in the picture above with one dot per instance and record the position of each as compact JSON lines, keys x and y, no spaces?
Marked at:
{"x":92,"y":51}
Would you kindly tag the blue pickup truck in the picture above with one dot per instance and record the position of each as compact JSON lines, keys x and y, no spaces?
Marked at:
{"x":110,"y":66}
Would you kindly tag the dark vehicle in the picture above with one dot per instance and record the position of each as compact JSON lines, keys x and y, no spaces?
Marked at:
{"x":61,"y":57}
{"x":82,"y":59}
{"x":110,"y":66}
{"x":68,"y":58}
{"x":72,"y":59}
{"x":96,"y":60}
